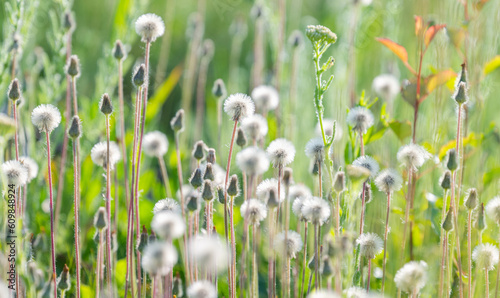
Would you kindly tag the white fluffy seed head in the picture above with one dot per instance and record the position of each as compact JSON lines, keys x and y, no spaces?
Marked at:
{"x":368,"y":163}
{"x":30,"y":165}
{"x":167,"y":205}
{"x":291,"y":246}
{"x":370,"y":245}
{"x":386,"y":86}
{"x":15,"y":172}
{"x":323,"y":294}
{"x":356,"y":292}
{"x":360,"y":119}
{"x":388,"y":181}
{"x":253,"y":211}
{"x":493,"y":209}
{"x":267,"y":188}
{"x":252,"y":161}
{"x":328,"y":128}
{"x":299,"y":191}
{"x":201,"y":289}
{"x":159,"y":258}
{"x":239,"y":106}
{"x":46,"y":117}
{"x":99,"y":154}
{"x":411,"y":277}
{"x":168,"y":225}
{"x":266,"y":98}
{"x":316,"y":210}
{"x":149,"y":26}
{"x":255,"y":127}
{"x":413,"y":156}
{"x":209,"y":252}
{"x":315,"y":149}
{"x":485,"y":256}
{"x":281,"y":152}
{"x":155,"y":144}
{"x":297,"y":205}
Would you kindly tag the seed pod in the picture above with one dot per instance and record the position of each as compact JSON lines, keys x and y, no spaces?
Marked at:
{"x":199,"y":150}
{"x":207,"y":192}
{"x":73,"y":66}
{"x":472,"y":199}
{"x":68,"y":22}
{"x":96,"y":237}
{"x":14,"y":92}
{"x":139,"y":77}
{"x":233,"y":189}
{"x":177,"y":290}
{"x":211,"y":158}
{"x":152,"y":237}
{"x":272,"y":199}
{"x":105,"y":106}
{"x":177,"y":123}
{"x":446,"y":180}
{"x":63,"y":282}
{"x":241,"y":139}
{"x":339,"y":182}
{"x":119,"y":50}
{"x":314,"y":167}
{"x":460,"y":95}
{"x":287,"y":176}
{"x":100,"y":221}
{"x":220,"y":195}
{"x":196,"y":179}
{"x":192,"y":203}
{"x":209,"y":172}
{"x":447,"y":224}
{"x":75,"y":129}
{"x":452,"y":162}
{"x":326,"y":267}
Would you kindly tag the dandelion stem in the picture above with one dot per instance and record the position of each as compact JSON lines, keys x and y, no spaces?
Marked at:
{"x":255,"y":282}
{"x":76,"y":169}
{"x":469,"y":250}
{"x":233,"y":248}
{"x":122,"y":129}
{"x":164,"y":175}
{"x":498,"y":278}
{"x":316,"y":256}
{"x":108,"y":208}
{"x":385,"y":239}
{"x":51,"y":201}
{"x":369,"y":275}
{"x":304,"y":261}
{"x":407,"y":213}
{"x":487,"y":284}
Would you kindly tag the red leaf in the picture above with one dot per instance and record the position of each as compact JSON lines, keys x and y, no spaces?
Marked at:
{"x":396,"y":48}
{"x":431,"y":32}
{"x":419,"y":25}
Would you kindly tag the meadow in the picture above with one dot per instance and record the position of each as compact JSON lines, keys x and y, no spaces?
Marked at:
{"x":240,"y":148}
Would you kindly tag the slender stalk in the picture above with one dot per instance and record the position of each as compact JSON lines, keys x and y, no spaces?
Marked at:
{"x":164,"y":175}
{"x":363,"y":203}
{"x":444,"y":240}
{"x":369,"y":275}
{"x":233,"y":248}
{"x":255,"y":272}
{"x":385,"y":240}
{"x":108,"y":208}
{"x":487,"y":284}
{"x":258,"y":53}
{"x":98,"y":266}
{"x":166,"y":41}
{"x":407,"y":213}
{"x":200,"y":96}
{"x":469,"y":250}
{"x":498,"y":278}
{"x":122,"y":129}
{"x":270,"y":268}
{"x":337,"y":215}
{"x":51,"y":202}
{"x":76,"y":169}
{"x":304,"y":261}
{"x":316,"y":256}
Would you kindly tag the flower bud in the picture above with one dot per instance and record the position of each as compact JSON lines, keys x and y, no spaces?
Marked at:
{"x":139,"y":77}
{"x":233,"y":189}
{"x":199,"y":150}
{"x":68,"y":22}
{"x":196,"y":179}
{"x":211,"y":158}
{"x":220,"y":195}
{"x":177,"y":290}
{"x":460,"y":95}
{"x":326,"y":267}
{"x":105,"y":105}
{"x":241,"y":139}
{"x":192,"y":203}
{"x":63,"y":282}
{"x":177,"y":123}
{"x":452,"y":162}
{"x":14,"y":92}
{"x":75,"y":129}
{"x":472,"y":199}
{"x":480,"y":223}
{"x":272,"y":199}
{"x":219,"y":88}
{"x":209,"y":173}
{"x":143,"y":240}
{"x":446,"y":180}
{"x":287,"y":176}
{"x":339,"y":182}
{"x":100,"y":220}
{"x":447,"y":224}
{"x":73,"y":66}
{"x":207,"y":192}
{"x":119,"y":50}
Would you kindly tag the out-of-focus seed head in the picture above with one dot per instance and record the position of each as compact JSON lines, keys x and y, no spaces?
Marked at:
{"x":209,"y":173}
{"x":254,"y":211}
{"x":447,"y":223}
{"x":233,"y":189}
{"x":386,"y":86}
{"x":287,"y":176}
{"x":159,"y":258}
{"x":326,"y":267}
{"x":168,"y":225}
{"x":119,"y":50}
{"x":411,"y":278}
{"x":257,"y":11}
{"x":167,"y":205}
{"x":298,"y":203}
{"x":266,"y":98}
{"x":339,"y":182}
{"x":320,"y":34}
{"x":281,"y":152}
{"x":30,"y":165}
{"x":100,"y":220}
{"x":241,"y":139}
{"x":368,"y":163}
{"x":413,"y":156}
{"x":63,"y":281}
{"x":480,"y":223}
{"x":139,"y":76}
{"x":316,"y":210}
{"x":288,"y":246}
{"x":201,"y":289}
{"x":296,"y":39}
{"x":199,"y":150}
{"x":143,"y":240}
{"x":207,"y":193}
{"x":445,"y":180}
{"x":219,"y":88}
{"x":177,"y":123}
{"x":388,"y":181}
{"x":152,"y":237}
{"x":149,"y":27}
{"x":177,"y":288}
{"x":155,"y":144}
{"x":493,"y":209}
{"x":268,"y":190}
{"x":255,"y":127}
{"x":14,"y":92}
{"x":370,"y":245}
{"x":99,"y":154}
{"x":196,"y":178}
{"x":315,"y":149}
{"x":73,"y":66}
{"x":451,"y":160}
{"x":485,"y":255}
{"x":15,"y":173}
{"x":472,"y":199}
{"x":105,"y":105}
{"x":211,"y":156}
{"x":69,"y":22}
{"x":252,"y":161}
{"x":75,"y":128}
{"x":360,"y":119}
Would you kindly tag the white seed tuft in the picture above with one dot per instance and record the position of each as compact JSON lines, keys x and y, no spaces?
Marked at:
{"x":370,"y":245}
{"x":209,"y":252}
{"x":413,"y":156}
{"x":411,"y":277}
{"x":155,"y":144}
{"x":323,"y":294}
{"x":239,"y":106}
{"x":201,"y":289}
{"x":46,"y":117}
{"x":386,"y":86}
{"x":328,"y":128}
{"x":99,"y":154}
{"x":252,"y":161}
{"x":485,"y":256}
{"x":266,"y":98}
{"x":149,"y":26}
{"x":368,"y":163}
{"x":388,"y":181}
{"x":168,"y":225}
{"x":493,"y":209}
{"x":292,"y":245}
{"x":265,"y":188}
{"x":360,"y":119}
{"x":315,"y":149}
{"x":159,"y":258}
{"x":316,"y":210}
{"x":31,"y":165}
{"x":255,"y":127}
{"x":253,"y":211}
{"x":15,"y":172}
{"x":167,"y":205}
{"x":281,"y":152}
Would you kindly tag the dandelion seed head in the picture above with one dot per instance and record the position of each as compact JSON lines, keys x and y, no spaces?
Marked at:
{"x":159,"y":258}
{"x":388,"y":181}
{"x":209,"y":252}
{"x":267,"y":188}
{"x":485,"y":256}
{"x":316,"y":210}
{"x":493,"y":209}
{"x":315,"y":149}
{"x":155,"y":144}
{"x":323,"y":294}
{"x":413,"y":156}
{"x":299,"y":191}
{"x":254,"y":211}
{"x":201,"y":289}
{"x":356,"y":292}
{"x":281,"y":152}
{"x":360,"y":119}
{"x":46,"y":117}
{"x":168,"y":225}
{"x":15,"y":172}
{"x":252,"y":161}
{"x":30,"y":165}
{"x":368,"y":163}
{"x":411,"y":277}
{"x":386,"y":86}
{"x":167,"y":205}
{"x":297,"y":209}
{"x":149,"y":26}
{"x":255,"y":127}
{"x":266,"y":98}
{"x":239,"y":106}
{"x":370,"y":245}
{"x":99,"y":154}
{"x":291,"y":246}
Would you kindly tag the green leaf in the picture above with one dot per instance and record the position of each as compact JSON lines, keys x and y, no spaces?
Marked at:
{"x":375,"y":133}
{"x":491,"y":65}
{"x":402,"y":129}
{"x":86,"y":291}
{"x":158,"y":99}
